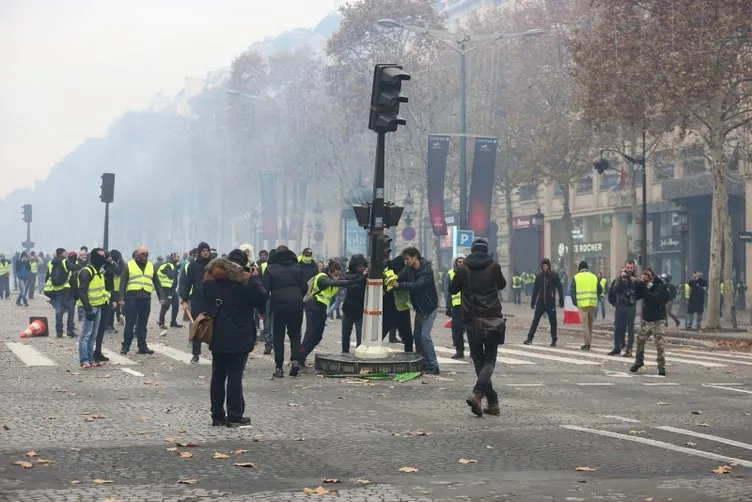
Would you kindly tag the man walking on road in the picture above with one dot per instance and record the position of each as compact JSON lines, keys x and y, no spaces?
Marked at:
{"x":138,"y":280}
{"x":585,"y":292}
{"x":652,"y":292}
{"x":623,"y":296}
{"x":543,"y":301}
{"x":191,"y":289}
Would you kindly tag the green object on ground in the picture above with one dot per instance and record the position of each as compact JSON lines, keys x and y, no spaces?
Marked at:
{"x":406,"y":377}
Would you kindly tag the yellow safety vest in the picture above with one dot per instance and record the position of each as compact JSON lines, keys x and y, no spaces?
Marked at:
{"x":165,"y":281}
{"x":687,"y":290}
{"x":457,"y":297}
{"x":116,"y":283}
{"x":97,"y":294}
{"x":48,"y":287}
{"x":516,"y":282}
{"x":324,"y":296}
{"x":140,"y":279}
{"x":263,"y":267}
{"x":4,"y":269}
{"x":604,"y":283}
{"x":586,"y":289}
{"x":34,"y":267}
{"x":401,"y":298}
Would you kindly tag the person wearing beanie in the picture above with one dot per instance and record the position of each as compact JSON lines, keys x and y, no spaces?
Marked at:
{"x":479,"y":281}
{"x":110,"y":271}
{"x":57,"y":289}
{"x":547,"y":285}
{"x":117,"y":269}
{"x":191,"y":290}
{"x":454,"y":311}
{"x":92,"y":296}
{"x":585,"y":292}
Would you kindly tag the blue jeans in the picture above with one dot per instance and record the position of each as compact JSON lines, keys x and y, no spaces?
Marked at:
{"x":268,"y":327}
{"x":88,"y":337}
{"x":423,"y":340}
{"x":624,"y":318}
{"x":602,"y":306}
{"x":690,"y":317}
{"x":334,"y":306}
{"x":23,"y":286}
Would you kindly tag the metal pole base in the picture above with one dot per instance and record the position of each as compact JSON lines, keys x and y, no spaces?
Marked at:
{"x":372,"y":352}
{"x":371,"y":347}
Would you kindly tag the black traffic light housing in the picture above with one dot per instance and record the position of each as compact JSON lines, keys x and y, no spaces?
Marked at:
{"x":601,"y":165}
{"x":392,"y":214}
{"x":386,"y":98}
{"x":108,"y":188}
{"x":27,"y":213}
{"x":383,"y":249}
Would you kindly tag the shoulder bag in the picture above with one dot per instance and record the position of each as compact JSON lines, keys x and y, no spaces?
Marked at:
{"x":484,"y":326}
{"x":202,"y":328}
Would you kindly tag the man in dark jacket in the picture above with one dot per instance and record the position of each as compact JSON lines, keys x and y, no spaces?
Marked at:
{"x":623,"y":296}
{"x":233,"y":294}
{"x":307,"y":265}
{"x":417,"y":278}
{"x":543,"y":300}
{"x":652,"y":292}
{"x":454,"y":310}
{"x":355,"y":296}
{"x":110,"y":269}
{"x":480,"y":281}
{"x":698,"y":286}
{"x":284,"y":281}
{"x":191,"y":289}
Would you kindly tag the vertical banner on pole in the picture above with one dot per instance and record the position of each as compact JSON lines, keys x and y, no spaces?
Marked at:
{"x":269,"y":207}
{"x":482,"y":186}
{"x":438,"y":152}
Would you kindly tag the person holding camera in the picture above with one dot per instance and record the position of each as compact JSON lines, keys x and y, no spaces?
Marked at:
{"x":652,"y":291}
{"x":622,"y":295}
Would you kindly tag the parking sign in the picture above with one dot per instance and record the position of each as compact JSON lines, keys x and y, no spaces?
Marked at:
{"x":465,"y":238}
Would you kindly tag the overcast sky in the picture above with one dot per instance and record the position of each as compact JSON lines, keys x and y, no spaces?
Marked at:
{"x":71,"y":67}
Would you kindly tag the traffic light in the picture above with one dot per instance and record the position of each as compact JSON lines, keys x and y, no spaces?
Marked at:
{"x":108,"y":188}
{"x":27,"y":213}
{"x":386,"y":98}
{"x":383,"y":249}
{"x":601,"y":165}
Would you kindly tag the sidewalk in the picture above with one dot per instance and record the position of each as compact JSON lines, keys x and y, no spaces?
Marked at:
{"x":522,"y":315}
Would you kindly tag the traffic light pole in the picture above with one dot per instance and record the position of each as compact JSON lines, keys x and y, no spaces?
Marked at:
{"x":27,"y":244}
{"x":106,"y":239}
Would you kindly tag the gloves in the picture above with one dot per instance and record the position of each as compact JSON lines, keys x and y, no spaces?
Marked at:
{"x":649,"y":285}
{"x":532,"y":306}
{"x":449,"y":312}
{"x":90,"y":315}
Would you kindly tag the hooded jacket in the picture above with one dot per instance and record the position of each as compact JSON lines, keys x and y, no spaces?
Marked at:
{"x":240,"y":294}
{"x":285,"y":283}
{"x":653,"y":300}
{"x":308,"y":266}
{"x":546,"y":285}
{"x":191,"y":285}
{"x":480,"y":281}
{"x":355,"y":295}
{"x":422,"y":287}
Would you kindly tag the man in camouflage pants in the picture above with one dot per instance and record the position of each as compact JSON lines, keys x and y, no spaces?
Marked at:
{"x":652,"y":291}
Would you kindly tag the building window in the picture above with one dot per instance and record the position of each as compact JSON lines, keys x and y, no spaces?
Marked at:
{"x":528,"y":192}
{"x":610,"y":180}
{"x":558,"y":189}
{"x":663,"y":167}
{"x":694,"y":161}
{"x":585,"y":184}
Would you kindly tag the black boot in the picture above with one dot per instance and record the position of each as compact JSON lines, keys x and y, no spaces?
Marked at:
{"x":493,"y":405}
{"x":474,"y":401}
{"x":639,"y":359}
{"x":553,"y":342}
{"x":459,"y":354}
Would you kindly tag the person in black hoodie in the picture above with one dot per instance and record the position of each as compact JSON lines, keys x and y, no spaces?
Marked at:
{"x":480,"y":281}
{"x":652,"y":292}
{"x":233,"y":292}
{"x":191,"y":289}
{"x":286,"y":285}
{"x":355,"y":296}
{"x":543,"y":300}
{"x":307,"y":265}
{"x":110,"y":269}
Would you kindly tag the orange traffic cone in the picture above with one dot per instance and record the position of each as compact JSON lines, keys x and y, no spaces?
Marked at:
{"x":37,"y":327}
{"x":448,"y":324}
{"x":571,"y":313}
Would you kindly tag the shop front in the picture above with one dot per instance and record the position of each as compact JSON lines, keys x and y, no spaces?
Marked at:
{"x":527,"y":238}
{"x":668,"y":256}
{"x":591,"y":242}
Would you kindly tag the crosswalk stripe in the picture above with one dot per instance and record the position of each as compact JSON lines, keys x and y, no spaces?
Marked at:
{"x":500,"y":358}
{"x":178,"y":355}
{"x":439,"y":359}
{"x":29,"y":355}
{"x":709,"y":437}
{"x":669,"y":359}
{"x":116,"y":358}
{"x":718,"y":359}
{"x":622,"y":419}
{"x":595,"y":384}
{"x":548,"y":357}
{"x":728,"y":388}
{"x":132,"y":372}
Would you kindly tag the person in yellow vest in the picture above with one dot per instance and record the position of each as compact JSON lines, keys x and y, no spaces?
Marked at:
{"x":116,"y":269}
{"x":92,"y":296}
{"x":4,"y":278}
{"x":396,"y":307}
{"x":168,"y":278}
{"x":517,"y":288}
{"x":603,"y":282}
{"x":57,"y":289}
{"x":34,"y":266}
{"x":307,"y":265}
{"x":137,"y":281}
{"x":528,"y":279}
{"x":321,"y":292}
{"x":585,"y":292}
{"x":454,"y":310}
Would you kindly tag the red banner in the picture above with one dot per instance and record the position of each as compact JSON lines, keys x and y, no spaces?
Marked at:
{"x":438,"y":152}
{"x":481,"y":189}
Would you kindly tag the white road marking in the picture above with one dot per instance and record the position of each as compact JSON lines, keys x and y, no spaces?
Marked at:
{"x":548,"y":357}
{"x":178,"y":355}
{"x":728,"y":388}
{"x":669,"y":359}
{"x":29,"y":355}
{"x":719,"y":359}
{"x":524,"y":384}
{"x":659,"y":384}
{"x":622,"y":419}
{"x":501,"y":357}
{"x":727,"y":384}
{"x":595,"y":384}
{"x":116,"y":358}
{"x":661,"y":444}
{"x":618,"y":374}
{"x":709,"y":437}
{"x":442,"y":360}
{"x":132,"y":372}
{"x":592,"y":353}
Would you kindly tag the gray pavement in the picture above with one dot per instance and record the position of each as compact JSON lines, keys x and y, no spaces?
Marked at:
{"x":647,"y":437}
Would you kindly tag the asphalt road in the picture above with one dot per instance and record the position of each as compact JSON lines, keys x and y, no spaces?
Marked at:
{"x":645,"y":437}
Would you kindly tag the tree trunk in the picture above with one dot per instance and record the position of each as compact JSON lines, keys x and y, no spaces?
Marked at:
{"x":566,"y":219}
{"x":719,"y":207}
{"x":729,"y":310}
{"x":510,"y":225}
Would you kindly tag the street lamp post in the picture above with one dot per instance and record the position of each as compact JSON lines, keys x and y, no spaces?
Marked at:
{"x":459,"y":45}
{"x":683,"y":221}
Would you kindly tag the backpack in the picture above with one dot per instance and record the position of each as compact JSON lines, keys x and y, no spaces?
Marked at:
{"x":313,"y":288}
{"x":670,"y":292}
{"x":58,"y":274}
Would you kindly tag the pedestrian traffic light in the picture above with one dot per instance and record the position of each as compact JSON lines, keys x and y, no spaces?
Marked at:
{"x":383,"y":249}
{"x":108,"y":188}
{"x":601,"y":165}
{"x":386,"y":98}
{"x":27,"y":213}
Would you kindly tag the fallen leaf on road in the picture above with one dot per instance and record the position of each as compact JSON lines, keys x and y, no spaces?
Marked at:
{"x":185,"y":454}
{"x":419,"y":433}
{"x":187,"y":445}
{"x":112,"y":499}
{"x":106,"y":375}
{"x":722,"y":469}
{"x":44,"y":461}
{"x":294,"y":405}
{"x":74,"y":373}
{"x":690,"y":443}
{"x":257,"y":439}
{"x":661,"y":403}
{"x":301,"y":438}
{"x":585,"y":468}
{"x":102,"y":481}
{"x":75,"y":482}
{"x":466,"y":461}
{"x":697,"y":413}
{"x":152,"y":383}
{"x":174,"y":448}
{"x":318,"y":491}
{"x":331,"y":480}
{"x":220,"y":456}
{"x":363,"y":481}
{"x":244,"y":464}
{"x":240,"y":452}
{"x":182,"y":431}
{"x":142,"y":418}
{"x":122,"y":398}
{"x":703,"y":424}
{"x":170,"y":440}
{"x":31,"y":454}
{"x":408,"y":469}
{"x":24,"y":464}
{"x":636,"y":433}
{"x":187,"y":481}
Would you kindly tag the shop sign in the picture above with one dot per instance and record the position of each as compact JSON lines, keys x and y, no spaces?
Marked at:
{"x":519,"y":223}
{"x":669,"y":244}
{"x":588,"y":247}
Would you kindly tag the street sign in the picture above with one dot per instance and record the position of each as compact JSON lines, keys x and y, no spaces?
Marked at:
{"x":408,"y":233}
{"x":465,"y":238}
{"x":745,"y":236}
